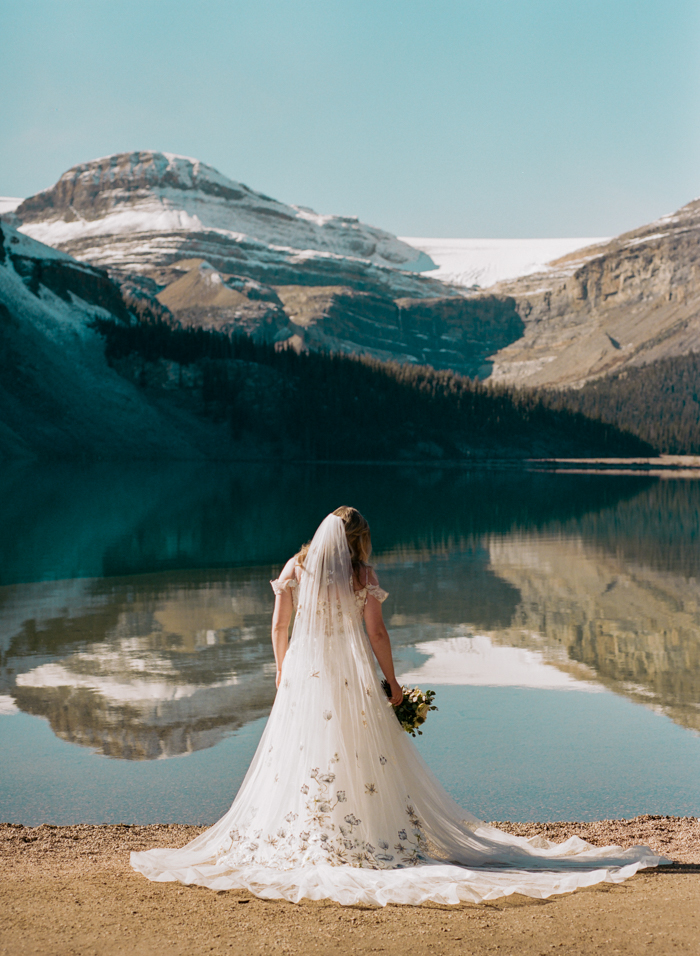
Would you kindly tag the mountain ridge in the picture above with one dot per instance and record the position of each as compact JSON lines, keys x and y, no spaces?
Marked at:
{"x":89,"y":371}
{"x":144,"y":192}
{"x":625,"y":302}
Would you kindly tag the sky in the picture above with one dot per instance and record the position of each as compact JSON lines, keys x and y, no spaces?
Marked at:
{"x":450,"y":118}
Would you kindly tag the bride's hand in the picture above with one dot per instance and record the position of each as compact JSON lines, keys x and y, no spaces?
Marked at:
{"x":278,"y":678}
{"x":396,"y":692}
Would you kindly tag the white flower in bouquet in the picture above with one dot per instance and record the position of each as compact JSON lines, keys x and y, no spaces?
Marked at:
{"x":414,"y":708}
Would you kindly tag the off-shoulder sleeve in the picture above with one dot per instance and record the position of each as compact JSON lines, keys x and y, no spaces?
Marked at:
{"x":379,"y":593}
{"x":279,"y":587}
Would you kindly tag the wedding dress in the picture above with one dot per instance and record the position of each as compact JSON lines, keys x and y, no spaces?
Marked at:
{"x":337,"y":803}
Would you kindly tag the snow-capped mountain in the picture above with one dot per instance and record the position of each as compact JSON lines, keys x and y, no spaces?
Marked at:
{"x":134,"y":211}
{"x":219,"y":255}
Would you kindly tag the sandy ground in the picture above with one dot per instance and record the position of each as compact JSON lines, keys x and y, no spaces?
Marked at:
{"x":70,"y":890}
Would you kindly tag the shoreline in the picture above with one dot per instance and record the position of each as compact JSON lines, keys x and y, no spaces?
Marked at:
{"x":670,"y":836}
{"x":70,"y":890}
{"x":671,"y":466}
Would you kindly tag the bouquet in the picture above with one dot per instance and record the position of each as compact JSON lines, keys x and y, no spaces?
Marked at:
{"x":413,"y":709}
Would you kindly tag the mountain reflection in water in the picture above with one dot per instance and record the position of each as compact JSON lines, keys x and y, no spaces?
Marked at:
{"x":636,"y":627}
{"x":566,"y":582}
{"x":147,"y":667}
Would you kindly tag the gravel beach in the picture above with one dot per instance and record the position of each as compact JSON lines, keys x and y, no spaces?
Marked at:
{"x":70,"y":890}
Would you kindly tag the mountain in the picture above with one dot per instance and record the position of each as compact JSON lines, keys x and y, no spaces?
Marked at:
{"x":8,"y":204}
{"x":141,"y":210}
{"x":627,"y":302}
{"x":58,"y":395}
{"x":222,"y":256}
{"x":88,"y":370}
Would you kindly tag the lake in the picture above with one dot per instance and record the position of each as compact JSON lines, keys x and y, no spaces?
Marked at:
{"x":557,"y":617}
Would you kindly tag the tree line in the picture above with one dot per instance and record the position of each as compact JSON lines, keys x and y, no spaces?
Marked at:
{"x":333,"y":406}
{"x":659,"y":403}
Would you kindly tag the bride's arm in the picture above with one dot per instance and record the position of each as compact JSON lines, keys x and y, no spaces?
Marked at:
{"x":281,"y":617}
{"x":381,"y":644}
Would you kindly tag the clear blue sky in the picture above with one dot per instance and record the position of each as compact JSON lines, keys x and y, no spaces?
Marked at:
{"x":474,"y":118}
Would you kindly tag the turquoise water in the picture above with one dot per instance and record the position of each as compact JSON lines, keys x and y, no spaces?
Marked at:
{"x":556,"y":616}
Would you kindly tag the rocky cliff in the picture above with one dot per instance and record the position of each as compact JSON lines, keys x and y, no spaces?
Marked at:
{"x":630,"y":301}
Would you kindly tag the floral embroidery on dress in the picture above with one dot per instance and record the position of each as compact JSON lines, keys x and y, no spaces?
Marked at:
{"x":323,"y":839}
{"x":321,"y":824}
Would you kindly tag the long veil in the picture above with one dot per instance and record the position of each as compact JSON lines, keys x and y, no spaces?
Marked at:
{"x":338,"y":804}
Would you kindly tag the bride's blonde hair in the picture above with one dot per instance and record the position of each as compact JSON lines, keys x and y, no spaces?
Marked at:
{"x":357,"y":534}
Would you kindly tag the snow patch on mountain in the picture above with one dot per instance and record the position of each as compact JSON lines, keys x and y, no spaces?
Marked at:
{"x":483,"y":262}
{"x":150,"y":192}
{"x":154,"y":216}
{"x":17,"y":244}
{"x":60,"y":320}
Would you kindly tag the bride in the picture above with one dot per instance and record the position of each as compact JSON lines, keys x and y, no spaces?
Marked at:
{"x":337,"y":803}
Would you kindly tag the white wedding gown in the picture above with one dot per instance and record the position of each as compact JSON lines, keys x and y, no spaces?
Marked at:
{"x":337,"y":803}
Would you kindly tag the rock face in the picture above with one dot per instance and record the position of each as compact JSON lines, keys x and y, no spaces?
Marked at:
{"x":457,"y":333}
{"x":135,"y":211}
{"x":629,"y":301}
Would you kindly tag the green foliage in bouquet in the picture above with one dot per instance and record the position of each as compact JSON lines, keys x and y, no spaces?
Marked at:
{"x":413,"y":709}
